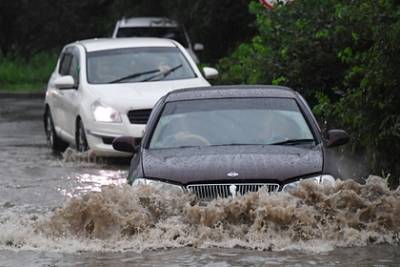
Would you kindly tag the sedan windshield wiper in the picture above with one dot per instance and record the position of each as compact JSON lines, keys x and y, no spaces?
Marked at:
{"x":164,"y":74}
{"x":183,"y":147}
{"x":134,"y":75}
{"x":293,"y":142}
{"x":237,"y":144}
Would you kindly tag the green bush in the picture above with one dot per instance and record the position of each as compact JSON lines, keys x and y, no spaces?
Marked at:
{"x":18,"y":73}
{"x":344,"y":57}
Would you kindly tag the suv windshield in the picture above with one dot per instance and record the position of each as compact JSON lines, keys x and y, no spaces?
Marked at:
{"x":219,"y":122}
{"x":137,"y":65}
{"x":173,"y":33}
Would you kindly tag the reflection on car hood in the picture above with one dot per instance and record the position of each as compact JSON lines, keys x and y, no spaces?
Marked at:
{"x":207,"y":164}
{"x":127,"y":96}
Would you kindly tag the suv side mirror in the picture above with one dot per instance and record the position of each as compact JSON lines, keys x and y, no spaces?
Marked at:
{"x":337,"y":138}
{"x":198,"y":47}
{"x":65,"y":82}
{"x":210,"y":73}
{"x":125,"y":144}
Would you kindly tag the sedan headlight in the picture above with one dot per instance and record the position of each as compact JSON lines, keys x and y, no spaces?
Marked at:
{"x":162,"y":186}
{"x":103,"y":113}
{"x":320,"y":179}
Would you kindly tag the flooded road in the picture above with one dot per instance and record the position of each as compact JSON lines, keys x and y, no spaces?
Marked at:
{"x":47,"y":219}
{"x":30,"y":174}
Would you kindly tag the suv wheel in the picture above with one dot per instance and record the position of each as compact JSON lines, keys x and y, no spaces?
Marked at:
{"x":53,"y":141}
{"x":81,"y":141}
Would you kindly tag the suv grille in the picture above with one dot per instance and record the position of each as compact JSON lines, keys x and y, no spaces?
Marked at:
{"x":211,"y":191}
{"x":139,"y":116}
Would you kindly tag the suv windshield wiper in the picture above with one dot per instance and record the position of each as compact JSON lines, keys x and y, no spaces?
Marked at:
{"x":293,"y":142}
{"x":164,"y":74}
{"x":134,"y":75}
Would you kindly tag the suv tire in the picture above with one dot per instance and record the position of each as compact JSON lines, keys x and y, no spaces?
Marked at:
{"x":81,"y":140}
{"x":54,"y":142}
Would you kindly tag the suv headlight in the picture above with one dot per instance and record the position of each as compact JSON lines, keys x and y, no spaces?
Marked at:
{"x":320,"y":179}
{"x":162,"y":186}
{"x":103,"y":113}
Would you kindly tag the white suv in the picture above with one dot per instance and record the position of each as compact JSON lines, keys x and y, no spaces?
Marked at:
{"x":105,"y":88}
{"x":156,"y":27}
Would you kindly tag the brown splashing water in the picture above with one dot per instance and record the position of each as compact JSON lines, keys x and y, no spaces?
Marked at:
{"x":346,"y":214}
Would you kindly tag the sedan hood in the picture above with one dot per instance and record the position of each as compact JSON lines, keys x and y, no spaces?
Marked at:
{"x":212,"y":164}
{"x":126,"y":96}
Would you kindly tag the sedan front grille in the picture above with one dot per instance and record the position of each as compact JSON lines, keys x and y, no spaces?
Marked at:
{"x":139,"y":116}
{"x":212,"y":191}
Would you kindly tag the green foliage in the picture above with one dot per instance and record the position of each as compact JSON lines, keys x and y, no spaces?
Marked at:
{"x":344,"y":57}
{"x":18,"y":73}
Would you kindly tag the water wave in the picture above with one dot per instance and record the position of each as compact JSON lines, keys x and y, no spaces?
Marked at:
{"x":119,"y":218}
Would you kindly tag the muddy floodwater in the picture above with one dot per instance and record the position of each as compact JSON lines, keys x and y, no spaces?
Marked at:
{"x":70,"y":211}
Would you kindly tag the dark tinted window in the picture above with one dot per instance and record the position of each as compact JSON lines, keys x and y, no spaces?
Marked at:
{"x":173,"y":33}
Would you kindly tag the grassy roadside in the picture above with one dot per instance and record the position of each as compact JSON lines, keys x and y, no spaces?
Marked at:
{"x":30,"y":75}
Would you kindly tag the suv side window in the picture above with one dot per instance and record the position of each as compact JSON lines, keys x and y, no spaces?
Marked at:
{"x":74,"y":68}
{"x":70,"y":64}
{"x":65,"y":64}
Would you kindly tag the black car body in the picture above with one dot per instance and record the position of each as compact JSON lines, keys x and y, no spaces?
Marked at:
{"x":218,"y":168}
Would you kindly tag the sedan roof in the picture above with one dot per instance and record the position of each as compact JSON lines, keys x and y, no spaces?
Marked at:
{"x":231,"y":91}
{"x":116,"y":43}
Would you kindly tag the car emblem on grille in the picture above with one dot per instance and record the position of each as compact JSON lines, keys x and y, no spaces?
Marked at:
{"x":232,"y":190}
{"x":232,"y":174}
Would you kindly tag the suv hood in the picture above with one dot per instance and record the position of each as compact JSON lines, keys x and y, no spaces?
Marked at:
{"x":211,"y":164}
{"x":127,"y":96}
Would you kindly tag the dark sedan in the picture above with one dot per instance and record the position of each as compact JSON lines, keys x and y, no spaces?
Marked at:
{"x":229,"y":140}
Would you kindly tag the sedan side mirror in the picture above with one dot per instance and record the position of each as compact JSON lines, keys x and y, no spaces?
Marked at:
{"x":65,"y":82}
{"x":337,"y":138}
{"x":210,"y":73}
{"x":125,"y":144}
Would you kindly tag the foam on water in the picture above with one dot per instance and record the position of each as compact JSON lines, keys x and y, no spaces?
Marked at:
{"x":120,"y":218}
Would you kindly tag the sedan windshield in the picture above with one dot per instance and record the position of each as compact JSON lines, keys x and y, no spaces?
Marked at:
{"x":143,"y":64}
{"x":224,"y":122}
